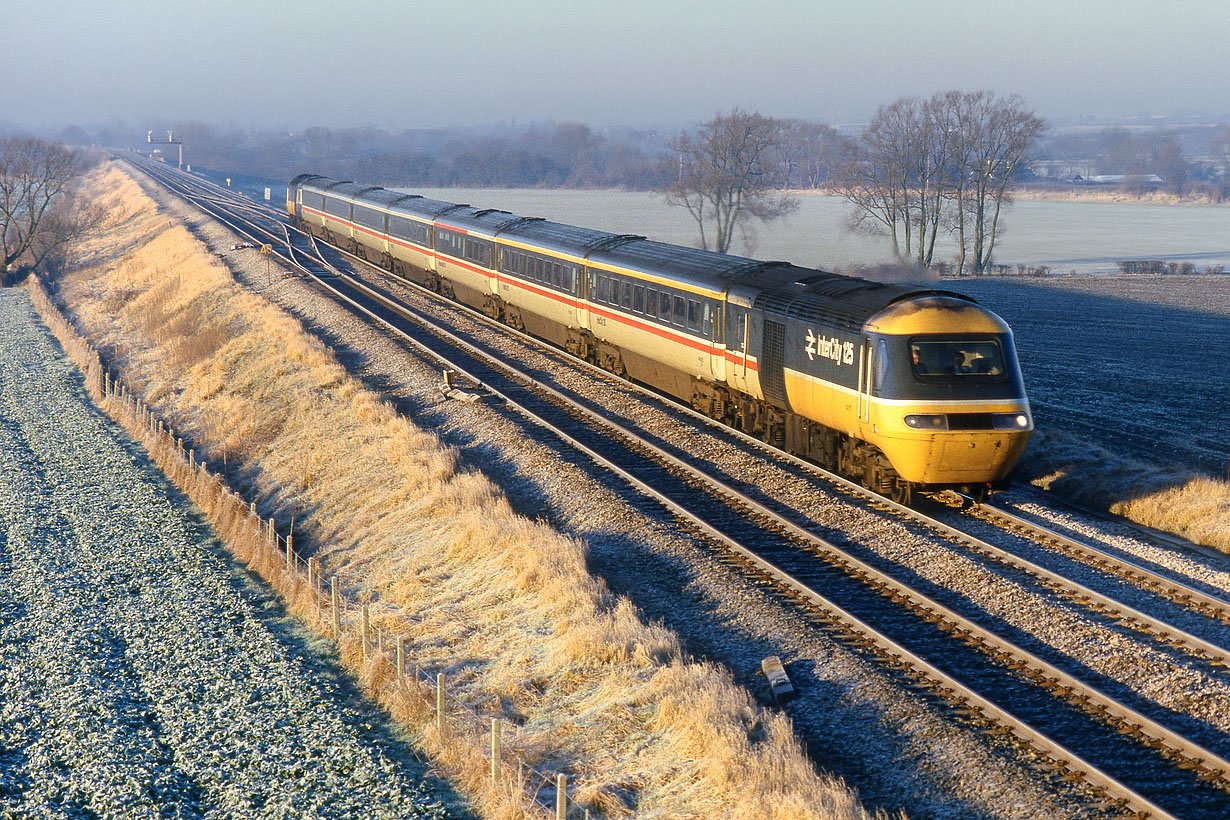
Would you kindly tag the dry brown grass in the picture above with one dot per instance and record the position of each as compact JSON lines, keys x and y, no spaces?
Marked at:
{"x":504,"y":606}
{"x":1179,"y":501}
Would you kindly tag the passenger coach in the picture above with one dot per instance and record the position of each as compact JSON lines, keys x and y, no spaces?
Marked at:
{"x":900,"y":387}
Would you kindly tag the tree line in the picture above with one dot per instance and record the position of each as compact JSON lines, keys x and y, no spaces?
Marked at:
{"x":921,"y":168}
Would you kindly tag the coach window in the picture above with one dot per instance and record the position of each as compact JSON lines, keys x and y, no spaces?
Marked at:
{"x":681,"y":310}
{"x":625,"y":295}
{"x":664,"y":307}
{"x":706,"y":324}
{"x":567,"y":278}
{"x":638,"y":298}
{"x":651,"y":302}
{"x":693,"y":315}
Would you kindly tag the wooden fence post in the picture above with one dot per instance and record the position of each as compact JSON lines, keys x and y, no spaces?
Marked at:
{"x":401,"y":656}
{"x":290,"y":554}
{"x":561,"y":797}
{"x":337,"y":616}
{"x":495,"y":750}
{"x":366,"y":632}
{"x":440,"y":702}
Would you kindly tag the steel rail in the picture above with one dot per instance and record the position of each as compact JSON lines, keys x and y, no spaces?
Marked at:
{"x":1220,"y":607}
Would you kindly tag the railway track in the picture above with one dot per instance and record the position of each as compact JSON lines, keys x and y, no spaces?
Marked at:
{"x":1134,"y":756}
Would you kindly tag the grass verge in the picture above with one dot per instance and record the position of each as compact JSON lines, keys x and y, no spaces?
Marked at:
{"x":1175,"y":500}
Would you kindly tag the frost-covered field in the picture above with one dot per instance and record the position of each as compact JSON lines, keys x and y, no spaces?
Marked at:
{"x":1138,"y":364}
{"x":141,"y":675}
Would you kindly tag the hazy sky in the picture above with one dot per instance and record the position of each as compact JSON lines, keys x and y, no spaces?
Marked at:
{"x":405,"y":63}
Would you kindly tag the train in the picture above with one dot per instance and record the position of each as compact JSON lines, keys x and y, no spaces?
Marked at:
{"x":903,"y":388}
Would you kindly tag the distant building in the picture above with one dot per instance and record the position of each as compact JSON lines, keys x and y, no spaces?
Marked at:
{"x":1119,"y":179}
{"x":1061,"y":170}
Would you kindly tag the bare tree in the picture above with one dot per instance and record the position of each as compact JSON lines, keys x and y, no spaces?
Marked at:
{"x":923,"y":167}
{"x":66,"y":223}
{"x":996,"y":135}
{"x":34,"y":177}
{"x":725,"y":174}
{"x":895,"y":176}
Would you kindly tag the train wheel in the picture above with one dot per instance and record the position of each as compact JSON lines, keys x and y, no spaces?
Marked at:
{"x":901,"y":492}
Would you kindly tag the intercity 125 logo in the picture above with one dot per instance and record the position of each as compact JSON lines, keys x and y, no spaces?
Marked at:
{"x":827,"y":347}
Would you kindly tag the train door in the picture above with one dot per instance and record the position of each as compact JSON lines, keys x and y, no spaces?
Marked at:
{"x":580,"y":292}
{"x":738,"y":334}
{"x":866,"y":366}
{"x":717,"y":332}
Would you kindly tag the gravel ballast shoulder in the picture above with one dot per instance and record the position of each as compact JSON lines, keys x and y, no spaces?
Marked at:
{"x":141,"y":673}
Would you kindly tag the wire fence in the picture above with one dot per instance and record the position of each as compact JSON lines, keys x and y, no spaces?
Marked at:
{"x":381,"y":655}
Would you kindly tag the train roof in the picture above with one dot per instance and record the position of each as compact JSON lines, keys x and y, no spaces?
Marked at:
{"x":422,"y":207}
{"x":698,"y":268}
{"x":383,"y":198}
{"x":556,"y":236}
{"x":821,"y":296}
{"x":482,"y":221}
{"x":342,"y":189}
{"x":302,"y":178}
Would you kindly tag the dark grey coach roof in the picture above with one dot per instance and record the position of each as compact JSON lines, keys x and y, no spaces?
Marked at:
{"x":700,"y":268}
{"x":484,"y":221}
{"x":555,"y":236}
{"x":383,"y":198}
{"x":424,"y":208}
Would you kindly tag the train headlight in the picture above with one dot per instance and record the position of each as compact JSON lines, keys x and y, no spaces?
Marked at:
{"x":1010,"y":421}
{"x":932,"y":422}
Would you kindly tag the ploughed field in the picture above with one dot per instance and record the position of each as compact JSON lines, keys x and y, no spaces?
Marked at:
{"x":1136,"y":364}
{"x":141,"y":674}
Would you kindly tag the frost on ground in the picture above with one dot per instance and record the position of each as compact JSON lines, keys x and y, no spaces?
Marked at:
{"x":1135,"y":364}
{"x":141,"y":675}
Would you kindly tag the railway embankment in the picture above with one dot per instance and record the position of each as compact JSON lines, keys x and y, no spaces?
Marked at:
{"x":503,"y":607}
{"x":141,"y":674}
